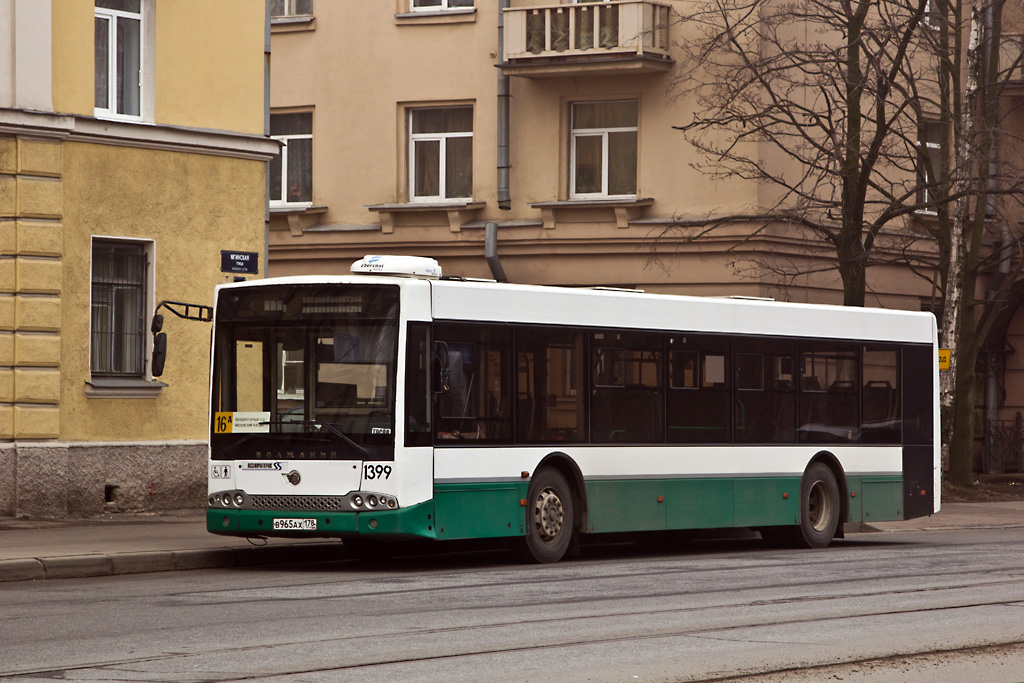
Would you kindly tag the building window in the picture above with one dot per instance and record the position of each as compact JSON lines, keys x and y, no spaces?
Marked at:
{"x":291,"y":172}
{"x":604,"y":150}
{"x":119,"y":308}
{"x":280,"y":9}
{"x":118,"y":45}
{"x":439,"y":5}
{"x":441,"y":153}
{"x":929,"y":155}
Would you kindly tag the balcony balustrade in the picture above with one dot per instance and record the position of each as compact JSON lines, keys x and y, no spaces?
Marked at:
{"x":593,"y":38}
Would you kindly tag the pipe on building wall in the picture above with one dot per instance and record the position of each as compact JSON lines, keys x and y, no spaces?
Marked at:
{"x":504,"y":96}
{"x":993,"y":28}
{"x":992,"y":357}
{"x":491,"y":251}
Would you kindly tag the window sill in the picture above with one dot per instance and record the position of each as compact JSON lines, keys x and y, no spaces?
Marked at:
{"x":461,"y":15}
{"x":625,"y":210}
{"x":293,"y":24}
{"x":104,"y":115}
{"x":459,"y":212}
{"x":123,"y":388}
{"x":297,"y":208}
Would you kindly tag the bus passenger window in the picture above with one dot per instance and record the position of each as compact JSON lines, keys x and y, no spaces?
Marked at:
{"x":698,"y":395}
{"x":829,"y":384}
{"x":417,"y":387}
{"x":549,"y":376}
{"x":765,"y":405}
{"x":627,"y":399}
{"x":880,"y":397}
{"x":471,"y":368}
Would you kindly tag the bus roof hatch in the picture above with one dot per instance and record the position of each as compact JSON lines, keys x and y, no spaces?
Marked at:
{"x":414,"y":266}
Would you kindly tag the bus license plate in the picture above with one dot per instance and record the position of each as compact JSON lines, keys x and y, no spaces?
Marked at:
{"x":294,"y":525}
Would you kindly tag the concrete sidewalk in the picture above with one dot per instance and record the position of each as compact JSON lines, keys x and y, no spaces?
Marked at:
{"x":137,"y":543}
{"x":132,"y":544}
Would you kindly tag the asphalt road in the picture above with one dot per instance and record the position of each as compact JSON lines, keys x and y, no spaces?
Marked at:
{"x":935,"y":606}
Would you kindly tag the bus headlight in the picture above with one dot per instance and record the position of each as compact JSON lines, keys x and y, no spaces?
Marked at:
{"x":372,"y":501}
{"x":239,"y":499}
{"x":225,"y":499}
{"x":357,"y":502}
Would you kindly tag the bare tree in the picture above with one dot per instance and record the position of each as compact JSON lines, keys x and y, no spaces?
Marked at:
{"x":828,"y":105}
{"x":983,"y":191}
{"x":809,"y":99}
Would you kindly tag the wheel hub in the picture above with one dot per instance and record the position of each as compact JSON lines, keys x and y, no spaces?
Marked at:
{"x":819,"y":506}
{"x":549,"y":515}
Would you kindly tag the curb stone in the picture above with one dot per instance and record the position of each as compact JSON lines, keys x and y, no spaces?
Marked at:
{"x":83,"y":566}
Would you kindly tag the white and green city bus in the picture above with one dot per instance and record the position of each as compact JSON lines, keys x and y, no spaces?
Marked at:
{"x":396,"y":404}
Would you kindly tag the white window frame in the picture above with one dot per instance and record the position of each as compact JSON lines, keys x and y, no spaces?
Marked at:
{"x":283,"y":201}
{"x":289,"y":11}
{"x":148,"y":301}
{"x":443,"y":7}
{"x":577,"y":133}
{"x":924,"y":148}
{"x":112,"y":15}
{"x":930,"y":19}
{"x":442,"y":139}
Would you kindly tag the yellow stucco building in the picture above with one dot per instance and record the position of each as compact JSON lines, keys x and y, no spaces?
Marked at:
{"x":132,"y":154}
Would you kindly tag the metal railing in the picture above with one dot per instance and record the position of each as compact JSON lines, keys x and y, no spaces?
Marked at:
{"x":1004,"y":446}
{"x":594,"y":28}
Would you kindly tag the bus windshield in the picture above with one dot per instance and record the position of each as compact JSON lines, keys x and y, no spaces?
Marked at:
{"x":305,"y":372}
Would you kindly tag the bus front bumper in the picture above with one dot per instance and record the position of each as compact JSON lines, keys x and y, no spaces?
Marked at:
{"x":416,"y":521}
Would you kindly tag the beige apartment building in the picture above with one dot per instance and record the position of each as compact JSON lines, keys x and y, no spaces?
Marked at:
{"x":409,"y":125}
{"x":132,"y":154}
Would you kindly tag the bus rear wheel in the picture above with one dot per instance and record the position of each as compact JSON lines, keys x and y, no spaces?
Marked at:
{"x":819,"y":507}
{"x":819,"y":513}
{"x":550,"y":518}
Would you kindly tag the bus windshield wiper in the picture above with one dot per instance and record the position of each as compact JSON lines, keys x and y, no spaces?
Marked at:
{"x":333,"y":428}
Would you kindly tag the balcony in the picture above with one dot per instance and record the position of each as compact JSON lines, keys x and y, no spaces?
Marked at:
{"x":587,"y":39}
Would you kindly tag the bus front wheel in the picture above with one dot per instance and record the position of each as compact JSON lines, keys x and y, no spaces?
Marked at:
{"x":549,"y":518}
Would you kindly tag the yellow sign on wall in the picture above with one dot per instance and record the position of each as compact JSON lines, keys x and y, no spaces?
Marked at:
{"x":943,"y":359}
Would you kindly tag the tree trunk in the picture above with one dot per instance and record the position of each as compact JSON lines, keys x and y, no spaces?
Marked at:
{"x":957,"y":383}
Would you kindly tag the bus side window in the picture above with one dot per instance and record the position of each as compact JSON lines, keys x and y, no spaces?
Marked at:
{"x":471,"y":369}
{"x":417,"y":387}
{"x":698,"y":390}
{"x":880,"y":405}
{"x":627,"y":401}
{"x":550,"y":370}
{"x":765,"y":392}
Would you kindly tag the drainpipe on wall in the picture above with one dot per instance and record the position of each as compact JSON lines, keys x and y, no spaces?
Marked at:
{"x":504,"y":198}
{"x":993,"y":26}
{"x":266,"y":131}
{"x":992,"y":357}
{"x":491,"y":251}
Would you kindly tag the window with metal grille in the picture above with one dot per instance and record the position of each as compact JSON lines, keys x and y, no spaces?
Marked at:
{"x":118,"y":309}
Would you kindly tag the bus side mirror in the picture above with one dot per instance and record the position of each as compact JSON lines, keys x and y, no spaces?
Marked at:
{"x":159,"y":353}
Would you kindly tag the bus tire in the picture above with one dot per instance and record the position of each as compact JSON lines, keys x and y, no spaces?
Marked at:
{"x":819,"y":507}
{"x":550,"y":518}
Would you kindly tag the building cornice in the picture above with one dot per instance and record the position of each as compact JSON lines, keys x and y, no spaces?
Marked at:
{"x":89,"y":129}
